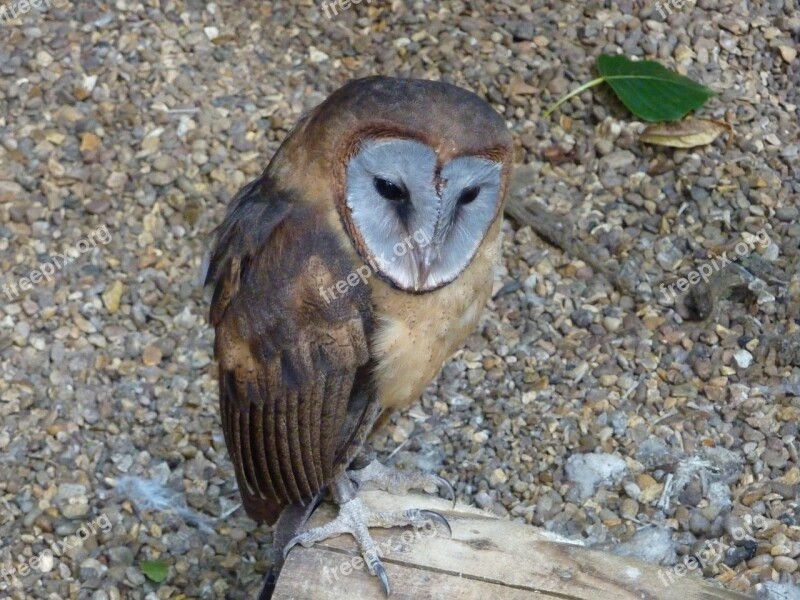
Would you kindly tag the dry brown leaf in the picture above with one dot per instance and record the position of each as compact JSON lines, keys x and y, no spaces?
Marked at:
{"x":687,"y":133}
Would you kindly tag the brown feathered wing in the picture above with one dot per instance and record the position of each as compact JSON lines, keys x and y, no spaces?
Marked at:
{"x":293,"y":364}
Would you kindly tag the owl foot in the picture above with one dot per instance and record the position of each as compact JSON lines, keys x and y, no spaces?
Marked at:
{"x":356,"y":518}
{"x":395,"y":481}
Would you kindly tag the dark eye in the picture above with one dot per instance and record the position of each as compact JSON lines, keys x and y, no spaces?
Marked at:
{"x":390,"y":191}
{"x":468,"y":195}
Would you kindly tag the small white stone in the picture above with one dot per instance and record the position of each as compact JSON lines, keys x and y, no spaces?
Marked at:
{"x":743,"y":358}
{"x":788,"y":53}
{"x":46,"y":562}
{"x":498,"y":477}
{"x":43,"y":59}
{"x":632,"y":490}
{"x":483,"y":500}
{"x":771,"y":252}
{"x":76,"y":511}
{"x":89,"y":83}
{"x":317,"y":56}
{"x":612,"y":323}
{"x":480,"y":437}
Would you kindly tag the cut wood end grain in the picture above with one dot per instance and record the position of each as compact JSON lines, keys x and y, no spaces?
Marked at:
{"x":487,"y":558}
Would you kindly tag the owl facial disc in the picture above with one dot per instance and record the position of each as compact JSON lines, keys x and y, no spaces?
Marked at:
{"x":420,"y":223}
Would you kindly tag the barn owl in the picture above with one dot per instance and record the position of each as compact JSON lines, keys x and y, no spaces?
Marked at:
{"x":343,"y":278}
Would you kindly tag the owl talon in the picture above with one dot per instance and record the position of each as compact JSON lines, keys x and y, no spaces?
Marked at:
{"x":448,"y":487}
{"x":380,"y":572}
{"x":395,"y":481}
{"x":435,"y":517}
{"x":356,"y":518}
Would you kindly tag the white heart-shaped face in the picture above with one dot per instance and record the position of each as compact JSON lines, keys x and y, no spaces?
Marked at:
{"x":421,"y":228}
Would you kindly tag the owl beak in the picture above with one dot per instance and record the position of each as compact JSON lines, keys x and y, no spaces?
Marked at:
{"x":424,"y":264}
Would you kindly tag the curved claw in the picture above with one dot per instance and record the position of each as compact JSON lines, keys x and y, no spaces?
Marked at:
{"x":292,"y":543}
{"x":380,"y":572}
{"x":448,"y":487}
{"x":289,"y":545}
{"x":437,"y":518}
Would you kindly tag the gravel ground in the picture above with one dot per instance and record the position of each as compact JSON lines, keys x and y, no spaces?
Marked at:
{"x":590,"y":403}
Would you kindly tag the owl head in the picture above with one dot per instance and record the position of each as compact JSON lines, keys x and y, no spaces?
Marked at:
{"x":417,"y":171}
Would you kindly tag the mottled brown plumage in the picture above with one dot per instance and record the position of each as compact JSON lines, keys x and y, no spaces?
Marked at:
{"x":302,"y":379}
{"x":290,"y":365}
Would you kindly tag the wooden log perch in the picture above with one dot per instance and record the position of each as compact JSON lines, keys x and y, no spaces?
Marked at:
{"x":487,"y":558}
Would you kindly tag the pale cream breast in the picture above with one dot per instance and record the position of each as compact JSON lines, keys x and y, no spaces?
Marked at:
{"x":417,"y":333}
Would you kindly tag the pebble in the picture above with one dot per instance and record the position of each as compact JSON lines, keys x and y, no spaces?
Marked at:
{"x":784,"y":564}
{"x":498,"y":477}
{"x":629,"y":508}
{"x":788,"y":53}
{"x":619,"y":159}
{"x":112,"y":297}
{"x":75,"y":511}
{"x":151,"y":356}
{"x":483,"y":500}
{"x":743,"y":358}
{"x":698,"y":524}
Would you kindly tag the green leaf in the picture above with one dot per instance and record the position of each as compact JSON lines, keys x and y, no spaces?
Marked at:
{"x":649,"y":90}
{"x":154,"y":570}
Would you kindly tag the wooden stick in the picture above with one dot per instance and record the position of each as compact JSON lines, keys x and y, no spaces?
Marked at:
{"x":487,"y":558}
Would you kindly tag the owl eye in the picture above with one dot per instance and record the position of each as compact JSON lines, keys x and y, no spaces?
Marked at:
{"x":468,"y":195}
{"x":390,"y":191}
